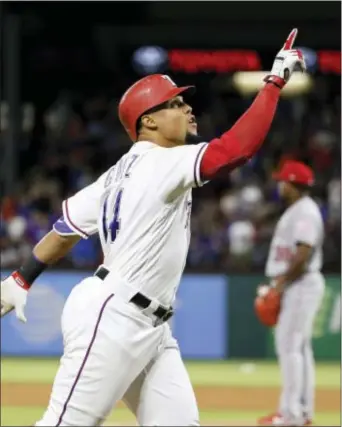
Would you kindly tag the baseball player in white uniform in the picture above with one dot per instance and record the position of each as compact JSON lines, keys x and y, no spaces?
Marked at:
{"x":117,"y":343}
{"x":293,"y":268}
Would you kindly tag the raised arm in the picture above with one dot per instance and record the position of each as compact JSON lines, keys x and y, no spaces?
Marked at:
{"x":236,"y":146}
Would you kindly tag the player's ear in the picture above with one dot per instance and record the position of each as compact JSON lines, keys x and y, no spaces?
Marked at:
{"x":149,"y":122}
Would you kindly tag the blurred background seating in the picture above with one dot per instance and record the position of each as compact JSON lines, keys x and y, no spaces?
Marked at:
{"x":69,"y":84}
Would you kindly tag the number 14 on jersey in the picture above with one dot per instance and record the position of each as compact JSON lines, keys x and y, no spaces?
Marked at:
{"x":113,"y":227}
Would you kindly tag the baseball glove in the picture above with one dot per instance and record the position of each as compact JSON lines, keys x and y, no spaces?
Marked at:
{"x":267,"y":305}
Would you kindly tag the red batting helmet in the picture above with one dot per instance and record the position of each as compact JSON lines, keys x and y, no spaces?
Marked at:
{"x":143,"y":95}
{"x":296,"y":172}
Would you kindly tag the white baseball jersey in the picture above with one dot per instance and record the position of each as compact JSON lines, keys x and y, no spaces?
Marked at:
{"x":141,"y":208}
{"x":300,"y":223}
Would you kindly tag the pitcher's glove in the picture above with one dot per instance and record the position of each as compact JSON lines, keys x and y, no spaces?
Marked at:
{"x":267,"y":305}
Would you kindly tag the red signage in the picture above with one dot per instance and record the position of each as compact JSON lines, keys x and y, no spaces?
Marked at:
{"x":224,"y":61}
{"x":220,"y":61}
{"x":329,"y":61}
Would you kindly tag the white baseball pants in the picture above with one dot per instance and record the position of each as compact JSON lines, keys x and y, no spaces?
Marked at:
{"x":293,"y":333}
{"x":112,"y":351}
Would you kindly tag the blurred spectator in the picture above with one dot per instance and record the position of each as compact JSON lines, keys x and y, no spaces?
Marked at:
{"x":241,"y":235}
{"x":14,"y":248}
{"x":334,"y":200}
{"x":86,"y":253}
{"x":233,"y":217}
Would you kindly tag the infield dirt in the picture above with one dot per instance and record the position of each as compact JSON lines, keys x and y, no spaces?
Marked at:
{"x":208,"y":397}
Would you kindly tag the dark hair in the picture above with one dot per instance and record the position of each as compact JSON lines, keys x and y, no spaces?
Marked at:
{"x":138,"y":126}
{"x":151,"y":110}
{"x":302,"y":188}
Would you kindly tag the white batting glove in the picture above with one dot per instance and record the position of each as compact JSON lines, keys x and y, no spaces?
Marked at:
{"x":14,"y":295}
{"x":286,"y":62}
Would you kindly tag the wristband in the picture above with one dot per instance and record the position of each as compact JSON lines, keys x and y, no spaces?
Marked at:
{"x":20,"y":280}
{"x":29,"y":271}
{"x":277,"y":81}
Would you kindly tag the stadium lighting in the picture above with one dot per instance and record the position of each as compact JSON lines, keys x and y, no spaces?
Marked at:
{"x":250,"y":82}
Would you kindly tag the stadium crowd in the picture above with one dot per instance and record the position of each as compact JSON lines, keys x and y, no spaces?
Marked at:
{"x":233,"y":218}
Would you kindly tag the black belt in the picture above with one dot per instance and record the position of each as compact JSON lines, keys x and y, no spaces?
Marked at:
{"x":140,"y":300}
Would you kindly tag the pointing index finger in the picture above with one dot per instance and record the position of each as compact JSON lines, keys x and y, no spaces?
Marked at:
{"x":290,"y":40}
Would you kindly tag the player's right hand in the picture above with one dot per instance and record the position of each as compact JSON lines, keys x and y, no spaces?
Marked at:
{"x":286,"y":62}
{"x":267,"y":305}
{"x":13,"y":296}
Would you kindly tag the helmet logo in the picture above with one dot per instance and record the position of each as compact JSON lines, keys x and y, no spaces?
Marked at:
{"x":169,"y":79}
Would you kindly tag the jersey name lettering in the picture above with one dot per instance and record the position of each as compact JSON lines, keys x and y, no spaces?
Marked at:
{"x":121,"y":170}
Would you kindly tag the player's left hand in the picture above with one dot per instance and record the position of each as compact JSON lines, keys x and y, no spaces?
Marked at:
{"x":267,"y":305}
{"x":286,"y":62}
{"x":13,"y":297}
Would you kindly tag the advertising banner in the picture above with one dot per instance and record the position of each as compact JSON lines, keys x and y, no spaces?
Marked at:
{"x":247,"y":336}
{"x":199,"y":323}
{"x":327,"y":327}
{"x":41,"y":335}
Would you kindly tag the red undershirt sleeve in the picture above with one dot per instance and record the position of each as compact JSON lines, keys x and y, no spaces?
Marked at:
{"x":236,"y":146}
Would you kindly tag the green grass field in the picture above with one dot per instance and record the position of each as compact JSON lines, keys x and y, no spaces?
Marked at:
{"x":227,"y":374}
